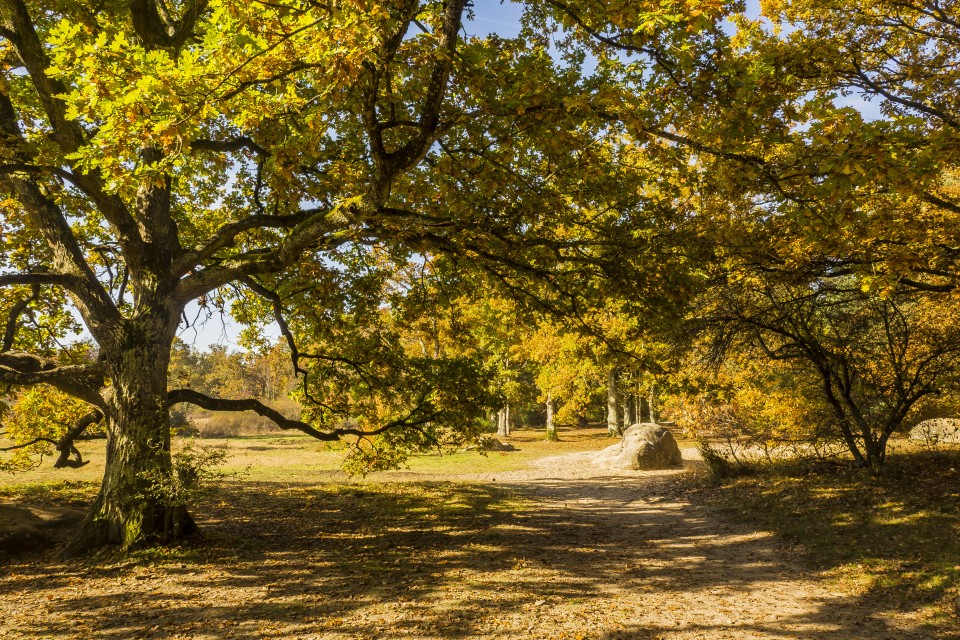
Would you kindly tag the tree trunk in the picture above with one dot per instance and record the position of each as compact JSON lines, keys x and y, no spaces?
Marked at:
{"x":613,"y":405}
{"x":503,"y":422}
{"x":629,"y":414}
{"x":551,"y":427}
{"x":135,"y":505}
{"x":650,"y":406}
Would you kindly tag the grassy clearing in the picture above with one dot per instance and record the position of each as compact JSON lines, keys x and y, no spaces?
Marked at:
{"x":895,"y":538}
{"x":295,"y":549}
{"x":286,"y":457}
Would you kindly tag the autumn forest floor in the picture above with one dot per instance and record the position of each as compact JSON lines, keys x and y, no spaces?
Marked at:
{"x":534,"y":543}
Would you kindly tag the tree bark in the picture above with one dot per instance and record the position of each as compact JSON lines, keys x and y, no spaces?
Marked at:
{"x":629,"y":411}
{"x":613,"y":405}
{"x":551,"y":426}
{"x":651,"y":407}
{"x":130,"y":510}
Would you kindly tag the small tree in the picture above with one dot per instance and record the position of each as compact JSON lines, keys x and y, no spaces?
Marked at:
{"x":876,"y":354}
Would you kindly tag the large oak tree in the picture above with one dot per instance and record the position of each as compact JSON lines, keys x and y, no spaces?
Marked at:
{"x":282,"y":155}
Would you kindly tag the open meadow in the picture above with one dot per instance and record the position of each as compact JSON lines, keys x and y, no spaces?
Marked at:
{"x":535,"y":543}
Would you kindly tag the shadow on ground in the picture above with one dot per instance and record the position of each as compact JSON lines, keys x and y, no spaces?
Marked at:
{"x":609,"y":558}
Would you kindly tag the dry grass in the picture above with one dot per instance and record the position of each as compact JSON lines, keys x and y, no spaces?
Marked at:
{"x":893,"y":538}
{"x":294,"y":457}
{"x":295,"y":549}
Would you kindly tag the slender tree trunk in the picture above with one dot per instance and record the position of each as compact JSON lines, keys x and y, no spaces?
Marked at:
{"x":130,"y":510}
{"x":613,"y":405}
{"x":551,"y":427}
{"x":843,"y":421}
{"x":650,"y":405}
{"x":629,"y":410}
{"x":506,"y":420}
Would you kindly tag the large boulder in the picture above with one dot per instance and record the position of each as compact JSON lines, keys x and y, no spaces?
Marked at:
{"x":644,"y":446}
{"x":489,"y":443}
{"x":937,"y":431}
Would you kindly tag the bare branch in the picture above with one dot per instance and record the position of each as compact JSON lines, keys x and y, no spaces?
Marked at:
{"x":24,"y":445}
{"x":229,"y":146}
{"x":249,"y":404}
{"x":277,"y":302}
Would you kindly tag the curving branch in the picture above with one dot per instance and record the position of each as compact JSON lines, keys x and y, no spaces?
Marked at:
{"x":277,"y":302}
{"x":320,"y":229}
{"x":66,"y":447}
{"x":13,"y":318}
{"x":227,"y":234}
{"x":210,"y":403}
{"x":229,"y":146}
{"x":204,"y":401}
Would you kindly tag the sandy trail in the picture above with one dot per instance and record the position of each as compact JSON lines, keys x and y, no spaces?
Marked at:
{"x":669,"y":568}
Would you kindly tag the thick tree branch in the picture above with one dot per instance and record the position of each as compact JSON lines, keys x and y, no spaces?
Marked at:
{"x":228,"y":146}
{"x":190,"y":396}
{"x":65,"y":445}
{"x":940,"y":202}
{"x":81,"y":381}
{"x":56,"y":279}
{"x":390,"y":163}
{"x":68,"y":134}
{"x":151,"y":28}
{"x":188,"y":22}
{"x":321,"y":229}
{"x":13,"y":318}
{"x":226,"y":236}
{"x":925,"y":286}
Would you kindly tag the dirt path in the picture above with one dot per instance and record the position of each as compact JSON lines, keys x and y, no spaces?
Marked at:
{"x":667,"y":568}
{"x":590,"y":554}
